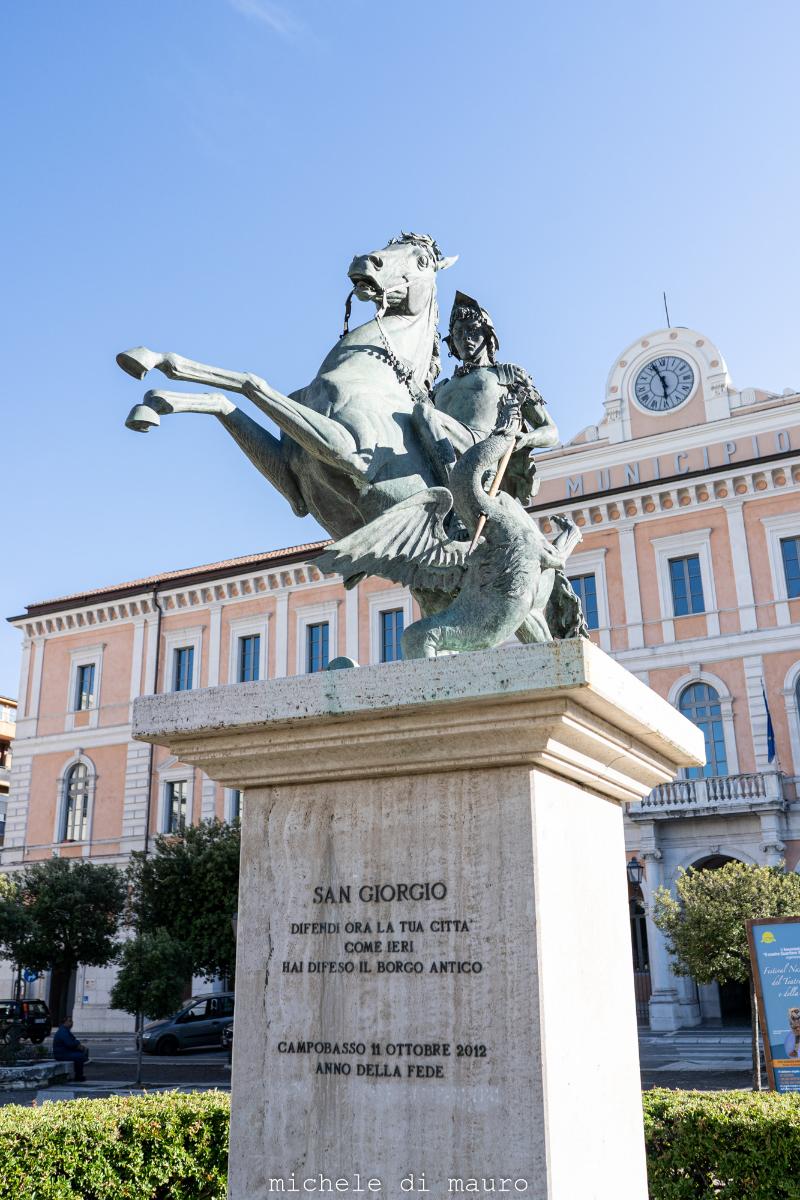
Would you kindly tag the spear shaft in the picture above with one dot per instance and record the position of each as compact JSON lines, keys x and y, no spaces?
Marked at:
{"x":493,"y":490}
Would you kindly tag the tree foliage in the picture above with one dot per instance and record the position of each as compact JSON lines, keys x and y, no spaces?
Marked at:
{"x":189,"y":886}
{"x":62,"y":912}
{"x":152,"y":971}
{"x":705,"y":927}
{"x":15,"y":921}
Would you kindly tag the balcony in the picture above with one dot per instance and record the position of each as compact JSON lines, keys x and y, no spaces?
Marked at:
{"x":718,"y":794}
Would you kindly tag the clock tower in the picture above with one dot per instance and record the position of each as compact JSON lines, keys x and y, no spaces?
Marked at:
{"x":670,"y":379}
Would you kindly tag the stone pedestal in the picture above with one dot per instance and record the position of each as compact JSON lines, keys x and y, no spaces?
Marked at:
{"x":434,"y":981}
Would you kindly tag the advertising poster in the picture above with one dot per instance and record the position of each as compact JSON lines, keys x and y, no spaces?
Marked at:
{"x":775,"y":956}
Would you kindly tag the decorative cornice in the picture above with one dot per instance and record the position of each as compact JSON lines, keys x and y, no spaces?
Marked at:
{"x":226,"y":590}
{"x":566,"y":707}
{"x":732,"y":486}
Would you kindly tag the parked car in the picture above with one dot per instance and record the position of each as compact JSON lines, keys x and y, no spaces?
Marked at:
{"x":31,"y":1018}
{"x":200,"y":1023}
{"x":227,"y":1042}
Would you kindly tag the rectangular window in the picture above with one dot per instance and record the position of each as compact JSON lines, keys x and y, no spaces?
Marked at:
{"x":84,"y":688}
{"x":585,"y":588}
{"x":249,"y":654}
{"x":392,"y":635}
{"x":317,"y":647}
{"x":687,"y":585}
{"x":183,"y":669}
{"x":175,"y":814}
{"x":235,"y":813}
{"x":790,"y":552}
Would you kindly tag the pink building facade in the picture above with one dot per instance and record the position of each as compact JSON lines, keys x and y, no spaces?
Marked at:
{"x":8,"y":717}
{"x":688,"y":496}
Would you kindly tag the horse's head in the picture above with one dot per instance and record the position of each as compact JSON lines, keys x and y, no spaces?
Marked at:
{"x":401,"y":277}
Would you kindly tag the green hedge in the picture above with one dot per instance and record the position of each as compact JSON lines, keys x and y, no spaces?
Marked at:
{"x":165,"y":1146}
{"x":700,"y":1146}
{"x":722,"y":1145}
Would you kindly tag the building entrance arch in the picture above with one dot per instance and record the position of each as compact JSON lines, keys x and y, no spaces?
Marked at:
{"x":733,"y":998}
{"x":713,"y":862}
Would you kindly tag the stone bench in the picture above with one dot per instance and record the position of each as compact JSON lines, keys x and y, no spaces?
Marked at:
{"x":33,"y":1074}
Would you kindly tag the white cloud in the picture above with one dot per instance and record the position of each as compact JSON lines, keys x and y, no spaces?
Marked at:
{"x":274,"y":16}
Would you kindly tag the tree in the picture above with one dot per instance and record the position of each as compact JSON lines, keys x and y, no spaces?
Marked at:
{"x":152,"y":972}
{"x":188,"y":886}
{"x":14,"y":920}
{"x":62,"y":912}
{"x":705,"y":927}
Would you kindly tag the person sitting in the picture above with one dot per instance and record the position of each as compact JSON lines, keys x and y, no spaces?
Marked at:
{"x":67,"y":1048}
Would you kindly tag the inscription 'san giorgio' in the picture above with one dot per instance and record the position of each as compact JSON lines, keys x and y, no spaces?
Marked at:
{"x":380,"y":893}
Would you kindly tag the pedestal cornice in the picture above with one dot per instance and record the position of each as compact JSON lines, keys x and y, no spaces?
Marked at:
{"x":563,"y":706}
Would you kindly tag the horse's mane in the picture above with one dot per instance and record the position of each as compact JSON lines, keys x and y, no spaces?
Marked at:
{"x":426,"y":242}
{"x":418,"y":239}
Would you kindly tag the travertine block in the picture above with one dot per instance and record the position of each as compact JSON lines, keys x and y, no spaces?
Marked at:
{"x":434,"y":980}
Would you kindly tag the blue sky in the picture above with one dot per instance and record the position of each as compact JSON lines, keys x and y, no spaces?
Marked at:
{"x":195,"y":175}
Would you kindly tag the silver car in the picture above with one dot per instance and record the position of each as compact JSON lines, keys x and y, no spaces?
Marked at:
{"x":200,"y":1023}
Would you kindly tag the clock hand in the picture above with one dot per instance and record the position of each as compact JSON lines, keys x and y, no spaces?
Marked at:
{"x":662,"y":380}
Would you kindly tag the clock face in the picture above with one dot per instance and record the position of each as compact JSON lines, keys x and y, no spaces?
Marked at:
{"x":664,"y":383}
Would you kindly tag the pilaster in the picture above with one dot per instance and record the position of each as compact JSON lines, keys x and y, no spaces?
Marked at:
{"x":630,"y":585}
{"x":742,"y":577}
{"x":281,"y":635}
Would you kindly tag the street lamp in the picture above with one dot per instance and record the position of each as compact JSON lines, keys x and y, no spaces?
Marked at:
{"x":635,"y":871}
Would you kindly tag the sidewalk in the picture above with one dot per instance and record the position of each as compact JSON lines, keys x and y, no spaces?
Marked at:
{"x":706,"y":1059}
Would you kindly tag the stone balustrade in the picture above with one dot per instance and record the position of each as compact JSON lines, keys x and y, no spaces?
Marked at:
{"x":746,"y":791}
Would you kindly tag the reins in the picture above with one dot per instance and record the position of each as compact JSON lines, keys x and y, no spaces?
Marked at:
{"x":404,"y":373}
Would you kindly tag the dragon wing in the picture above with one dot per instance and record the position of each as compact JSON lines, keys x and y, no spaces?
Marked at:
{"x":407,"y":544}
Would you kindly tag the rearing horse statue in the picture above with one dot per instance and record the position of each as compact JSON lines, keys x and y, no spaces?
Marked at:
{"x":361,"y":438}
{"x":350,"y":446}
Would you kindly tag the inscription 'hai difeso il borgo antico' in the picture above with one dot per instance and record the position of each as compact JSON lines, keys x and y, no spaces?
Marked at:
{"x":365,"y":947}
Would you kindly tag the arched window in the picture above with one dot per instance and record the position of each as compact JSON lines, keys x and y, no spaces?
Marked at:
{"x":797,"y":696}
{"x":75,"y":823}
{"x":700,"y":703}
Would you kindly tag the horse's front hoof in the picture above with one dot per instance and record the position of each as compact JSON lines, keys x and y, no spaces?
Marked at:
{"x":138,"y":362}
{"x":142,"y":418}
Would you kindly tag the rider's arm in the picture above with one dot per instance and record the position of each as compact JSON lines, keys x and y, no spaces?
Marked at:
{"x":544,"y":432}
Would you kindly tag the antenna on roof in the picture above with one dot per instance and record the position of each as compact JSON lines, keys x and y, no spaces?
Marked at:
{"x":666,"y":310}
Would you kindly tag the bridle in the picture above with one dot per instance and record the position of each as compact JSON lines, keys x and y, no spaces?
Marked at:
{"x":403,"y":372}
